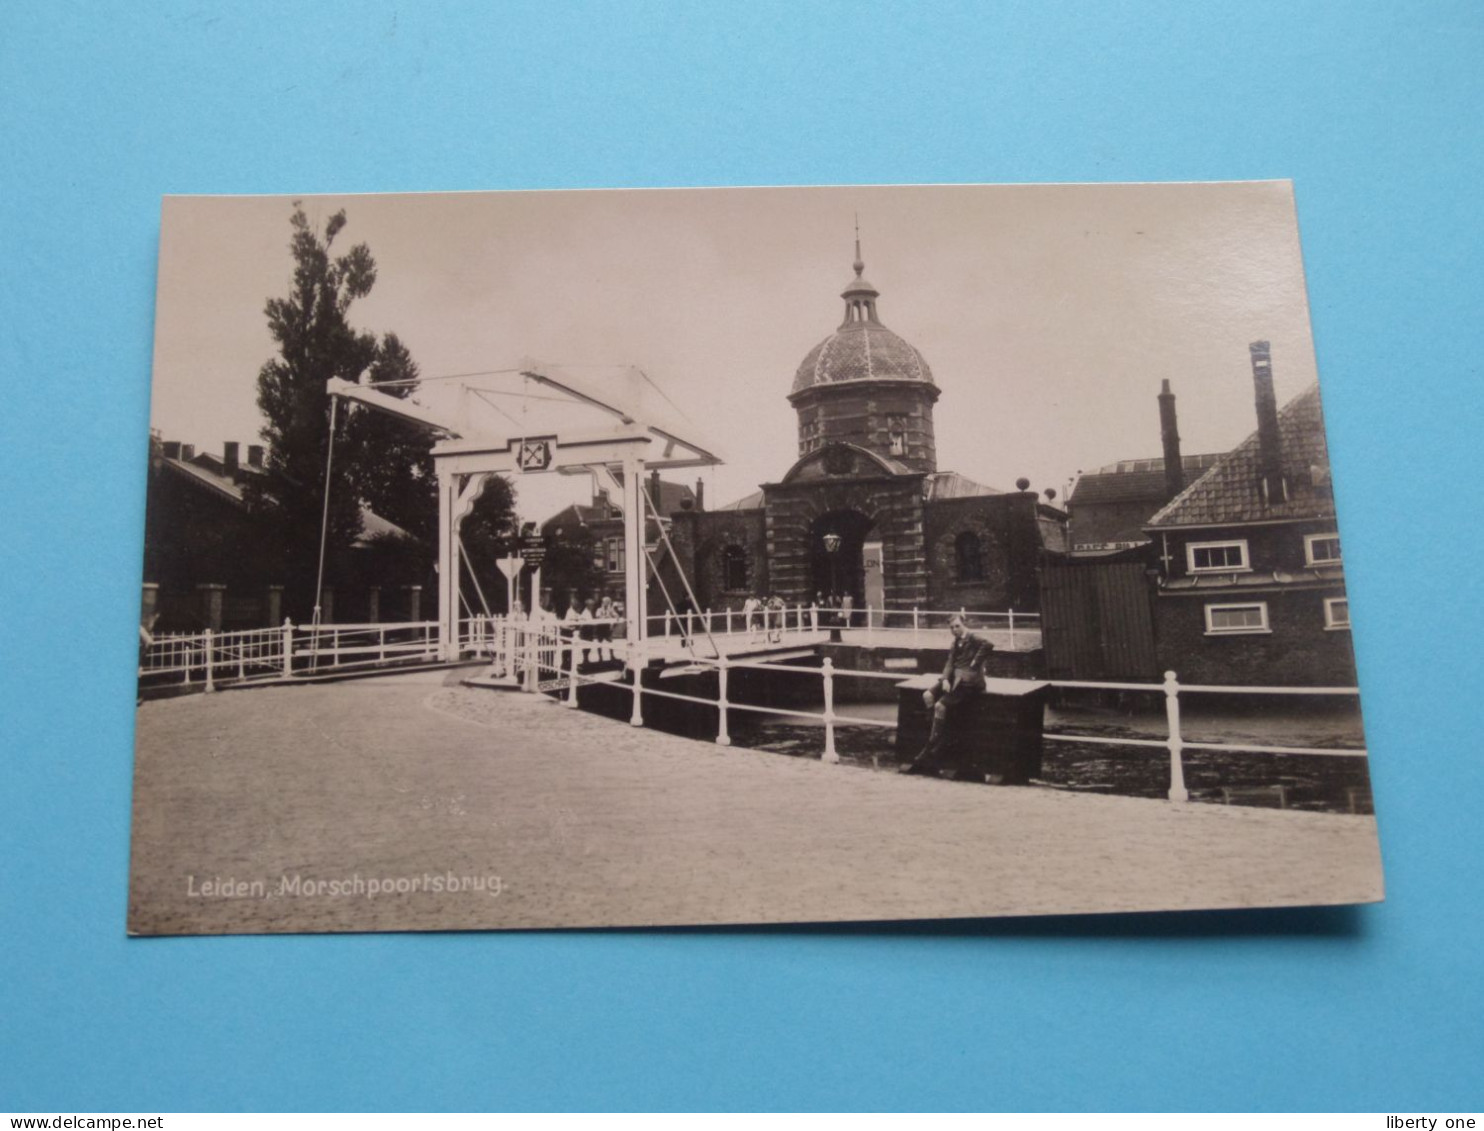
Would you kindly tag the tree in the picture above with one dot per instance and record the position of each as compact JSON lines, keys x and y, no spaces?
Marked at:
{"x":571,"y":570}
{"x":392,"y":461}
{"x":315,"y":343}
{"x":394,"y":473}
{"x":380,"y":462}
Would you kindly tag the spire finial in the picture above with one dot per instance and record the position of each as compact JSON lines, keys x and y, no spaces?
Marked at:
{"x":860,"y":264}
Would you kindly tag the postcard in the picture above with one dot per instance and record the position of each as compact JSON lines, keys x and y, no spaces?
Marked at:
{"x":735,"y":556}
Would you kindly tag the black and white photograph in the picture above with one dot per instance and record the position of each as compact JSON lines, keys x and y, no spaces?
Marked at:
{"x":675,"y":557}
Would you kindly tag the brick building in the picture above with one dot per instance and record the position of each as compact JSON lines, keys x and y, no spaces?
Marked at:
{"x":1250,"y":585}
{"x":214,"y":560}
{"x":1107,"y":508}
{"x":864,"y":510}
{"x":600,"y":524}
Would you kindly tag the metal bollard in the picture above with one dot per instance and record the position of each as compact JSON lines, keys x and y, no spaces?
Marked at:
{"x":1177,"y":743}
{"x":722,"y":737}
{"x":636,"y":665}
{"x":830,"y":754}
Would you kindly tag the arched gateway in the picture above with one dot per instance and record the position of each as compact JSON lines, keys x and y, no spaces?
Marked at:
{"x":867,"y":475}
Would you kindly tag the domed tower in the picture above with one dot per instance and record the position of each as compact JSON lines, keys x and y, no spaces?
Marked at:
{"x":864,"y":385}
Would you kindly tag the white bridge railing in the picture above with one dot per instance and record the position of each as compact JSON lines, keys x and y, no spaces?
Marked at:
{"x":212,"y":659}
{"x":541,"y":655}
{"x":568,"y":680}
{"x":914,"y":627}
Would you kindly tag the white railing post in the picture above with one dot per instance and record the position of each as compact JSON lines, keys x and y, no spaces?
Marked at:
{"x":870,"y":631}
{"x":722,"y":737}
{"x":530,"y":645}
{"x":335,"y":648}
{"x":729,"y":619}
{"x":381,"y":644}
{"x":915,"y":619}
{"x":242,"y":659}
{"x":288,"y":648}
{"x":210,"y":685}
{"x":830,"y":754}
{"x":636,"y":664}
{"x":1012,"y":630}
{"x":707,"y":622}
{"x":813,"y":617}
{"x":571,"y":674}
{"x":1177,"y":743}
{"x":667,"y":623}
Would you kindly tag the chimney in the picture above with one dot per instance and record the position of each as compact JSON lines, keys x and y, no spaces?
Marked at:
{"x":1169,"y":435}
{"x":654,"y":491}
{"x":188,"y":452}
{"x":700,"y":494}
{"x":230,"y":459}
{"x":1270,"y":479}
{"x":171,"y":449}
{"x":254,"y":455}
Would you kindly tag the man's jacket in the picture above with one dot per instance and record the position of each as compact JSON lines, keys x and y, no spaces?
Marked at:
{"x":966,"y":660}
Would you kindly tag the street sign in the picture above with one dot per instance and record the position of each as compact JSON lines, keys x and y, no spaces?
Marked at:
{"x":533,"y":550}
{"x":511,"y":567}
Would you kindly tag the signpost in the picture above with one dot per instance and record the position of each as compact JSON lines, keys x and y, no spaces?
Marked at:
{"x":511,"y":568}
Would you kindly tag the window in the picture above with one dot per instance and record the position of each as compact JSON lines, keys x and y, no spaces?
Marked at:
{"x":810,"y":434}
{"x":896,"y":432}
{"x":1322,"y":549}
{"x":734,"y":568}
{"x":1336,"y":612}
{"x":1217,"y":557}
{"x":614,"y":554}
{"x":1224,"y":620}
{"x":969,"y":556}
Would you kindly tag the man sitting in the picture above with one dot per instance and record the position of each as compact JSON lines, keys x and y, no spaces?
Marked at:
{"x":962,"y":682}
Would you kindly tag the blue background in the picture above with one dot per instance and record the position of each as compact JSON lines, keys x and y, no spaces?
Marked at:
{"x":1372,"y":109}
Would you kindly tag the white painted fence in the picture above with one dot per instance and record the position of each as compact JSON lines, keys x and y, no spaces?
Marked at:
{"x":914,"y":627}
{"x":1174,"y":742}
{"x":211,"y":658}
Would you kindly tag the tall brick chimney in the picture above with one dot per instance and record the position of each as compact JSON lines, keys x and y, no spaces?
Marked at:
{"x":700,"y":494}
{"x":1271,"y":483}
{"x":1169,"y":434}
{"x":254,"y":455}
{"x":231,"y":459}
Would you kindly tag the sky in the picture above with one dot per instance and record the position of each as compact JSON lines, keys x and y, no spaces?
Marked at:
{"x":1048,"y":314}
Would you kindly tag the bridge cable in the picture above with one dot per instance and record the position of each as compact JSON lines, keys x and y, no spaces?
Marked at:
{"x":680,"y":570}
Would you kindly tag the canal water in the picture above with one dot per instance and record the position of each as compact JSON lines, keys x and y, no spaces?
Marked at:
{"x":1328,"y":783}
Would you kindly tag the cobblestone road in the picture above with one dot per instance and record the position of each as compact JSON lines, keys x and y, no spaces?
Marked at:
{"x":589,"y":822}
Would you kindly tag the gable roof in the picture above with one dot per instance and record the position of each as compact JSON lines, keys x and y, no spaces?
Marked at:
{"x":207,"y":471}
{"x":670,"y":499}
{"x":1228,"y":493}
{"x":1135,"y":481}
{"x":750,"y":502}
{"x":952,"y":485}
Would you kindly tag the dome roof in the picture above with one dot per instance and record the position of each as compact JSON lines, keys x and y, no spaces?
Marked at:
{"x":862,"y":349}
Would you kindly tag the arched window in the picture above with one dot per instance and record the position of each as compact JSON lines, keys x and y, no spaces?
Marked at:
{"x":970,"y":557}
{"x":734,"y":568}
{"x":896,"y":430}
